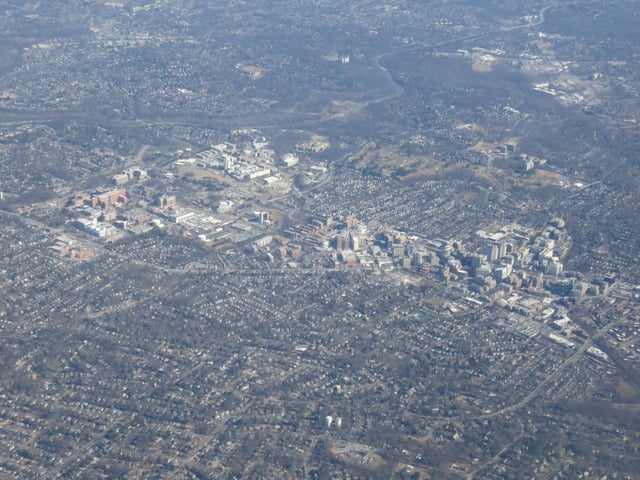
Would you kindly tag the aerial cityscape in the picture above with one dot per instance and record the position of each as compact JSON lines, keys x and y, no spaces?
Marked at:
{"x":320,"y":239}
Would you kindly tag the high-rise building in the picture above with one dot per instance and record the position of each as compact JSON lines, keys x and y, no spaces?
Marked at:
{"x":554,"y":269}
{"x":492,"y":252}
{"x":168,"y":201}
{"x":342,"y":242}
{"x":409,"y":249}
{"x":228,"y":162}
{"x":262,"y":217}
{"x":355,"y":242}
{"x":502,"y":249}
{"x":476,"y":260}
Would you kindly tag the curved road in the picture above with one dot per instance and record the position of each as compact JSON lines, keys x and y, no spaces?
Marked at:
{"x":396,"y":90}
